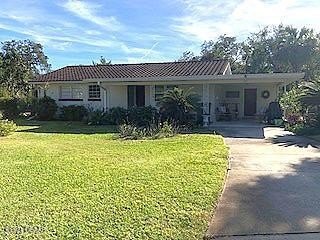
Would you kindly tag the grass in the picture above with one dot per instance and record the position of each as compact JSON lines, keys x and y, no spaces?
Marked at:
{"x":70,"y":181}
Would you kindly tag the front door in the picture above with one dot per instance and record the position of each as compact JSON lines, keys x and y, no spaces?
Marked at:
{"x":250,"y":101}
{"x":140,"y":96}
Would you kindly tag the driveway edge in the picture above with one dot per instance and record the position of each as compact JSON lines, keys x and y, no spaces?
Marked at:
{"x":206,"y":236}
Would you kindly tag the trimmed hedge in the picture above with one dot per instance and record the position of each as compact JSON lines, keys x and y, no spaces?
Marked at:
{"x":73,"y":113}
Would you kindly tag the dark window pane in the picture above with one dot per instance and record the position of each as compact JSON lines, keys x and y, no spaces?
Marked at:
{"x":232,"y":94}
{"x":131,"y":96}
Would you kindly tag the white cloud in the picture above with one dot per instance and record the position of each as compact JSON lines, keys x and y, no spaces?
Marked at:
{"x":88,"y":11}
{"x":93,"y":32}
{"x":17,"y":16}
{"x":206,"y":19}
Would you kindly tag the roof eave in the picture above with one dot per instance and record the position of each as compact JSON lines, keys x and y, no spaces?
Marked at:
{"x":227,"y":78}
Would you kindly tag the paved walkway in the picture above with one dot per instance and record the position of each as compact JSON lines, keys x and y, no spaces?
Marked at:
{"x":273,"y":186}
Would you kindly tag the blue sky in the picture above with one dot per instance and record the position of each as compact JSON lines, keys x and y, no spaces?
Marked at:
{"x":130,"y":31}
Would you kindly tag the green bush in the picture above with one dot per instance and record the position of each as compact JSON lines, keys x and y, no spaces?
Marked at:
{"x":302,"y":129}
{"x":143,"y":116}
{"x":181,"y":106}
{"x":7,"y":127}
{"x":73,"y":113}
{"x":98,"y":117}
{"x":117,"y":115}
{"x":131,"y":132}
{"x":166,"y":130}
{"x":46,"y":108}
{"x":12,"y":107}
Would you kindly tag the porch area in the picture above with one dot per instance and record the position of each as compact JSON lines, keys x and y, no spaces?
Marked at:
{"x":221,"y":102}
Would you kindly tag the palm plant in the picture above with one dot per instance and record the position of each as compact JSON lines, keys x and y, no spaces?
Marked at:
{"x":312,"y":100}
{"x":312,"y":90}
{"x":177,"y":104}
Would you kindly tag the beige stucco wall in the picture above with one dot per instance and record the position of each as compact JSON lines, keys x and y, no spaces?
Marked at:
{"x":116,"y":96}
{"x":262,"y":103}
{"x":148,"y":101}
{"x":217,"y":95}
{"x":53,"y":91}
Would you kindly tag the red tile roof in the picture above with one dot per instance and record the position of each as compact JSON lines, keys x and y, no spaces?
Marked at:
{"x":143,"y":70}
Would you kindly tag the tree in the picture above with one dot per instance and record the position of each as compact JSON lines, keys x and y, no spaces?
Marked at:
{"x":257,"y":53}
{"x":188,"y":56}
{"x":21,"y":61}
{"x":176,"y":104}
{"x":224,"y":48}
{"x":273,"y":49}
{"x":282,"y":49}
{"x":102,"y":61}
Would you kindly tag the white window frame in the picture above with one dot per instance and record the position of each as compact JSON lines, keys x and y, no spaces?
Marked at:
{"x":71,"y":92}
{"x":94,"y":93}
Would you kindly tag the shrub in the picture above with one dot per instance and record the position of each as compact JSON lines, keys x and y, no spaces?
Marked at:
{"x":291,"y":103}
{"x":7,"y":127}
{"x":131,"y":132}
{"x":73,"y":113}
{"x":295,"y":128}
{"x":12,"y":107}
{"x":166,"y":130}
{"x":179,"y":105}
{"x":143,"y":116}
{"x":46,"y":108}
{"x":98,"y":117}
{"x":118,"y":115}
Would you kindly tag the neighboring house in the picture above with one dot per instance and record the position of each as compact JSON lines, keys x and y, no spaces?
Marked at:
{"x":126,"y":85}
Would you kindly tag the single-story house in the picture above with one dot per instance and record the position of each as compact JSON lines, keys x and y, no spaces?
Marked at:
{"x":126,"y":85}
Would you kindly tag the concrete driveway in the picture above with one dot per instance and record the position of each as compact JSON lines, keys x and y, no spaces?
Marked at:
{"x":273,"y":186}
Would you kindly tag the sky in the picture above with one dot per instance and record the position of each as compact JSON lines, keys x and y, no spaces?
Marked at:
{"x":77,"y":32}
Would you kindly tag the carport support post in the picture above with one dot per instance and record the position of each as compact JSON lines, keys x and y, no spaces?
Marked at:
{"x":284,"y":90}
{"x":205,"y":104}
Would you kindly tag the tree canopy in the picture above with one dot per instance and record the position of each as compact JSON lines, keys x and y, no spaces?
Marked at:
{"x":20,"y":61}
{"x":273,"y":49}
{"x":102,"y":61}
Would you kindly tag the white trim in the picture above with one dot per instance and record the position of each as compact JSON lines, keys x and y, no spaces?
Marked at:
{"x":227,"y":70}
{"x":227,"y":78}
{"x":205,"y":104}
{"x":152,"y":95}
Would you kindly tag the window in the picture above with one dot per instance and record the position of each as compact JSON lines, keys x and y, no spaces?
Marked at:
{"x":94,"y":91}
{"x":70,"y":93}
{"x":160,"y":90}
{"x":136,"y":96}
{"x":232,"y":94}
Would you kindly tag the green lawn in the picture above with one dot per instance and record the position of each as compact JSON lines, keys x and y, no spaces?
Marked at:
{"x":71,"y":181}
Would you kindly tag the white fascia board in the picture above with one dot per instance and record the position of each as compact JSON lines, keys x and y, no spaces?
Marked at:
{"x":54,"y":82}
{"x":219,"y":79}
{"x":226,"y":79}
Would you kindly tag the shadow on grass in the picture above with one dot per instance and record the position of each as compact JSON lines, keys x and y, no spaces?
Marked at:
{"x":62,"y":127}
{"x":271,"y":202}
